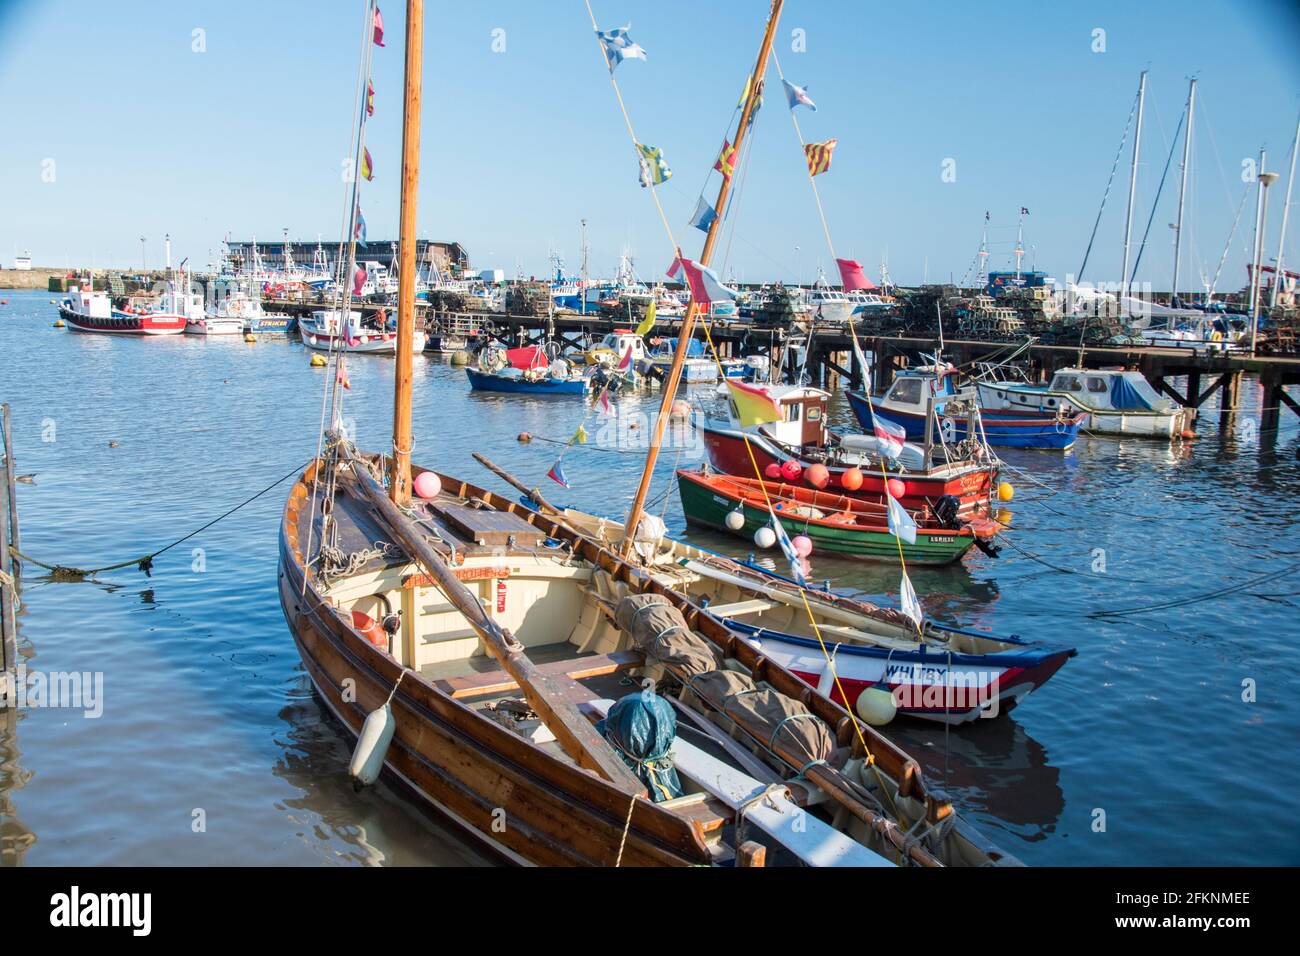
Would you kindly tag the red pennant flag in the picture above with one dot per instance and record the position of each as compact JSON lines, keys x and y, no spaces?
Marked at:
{"x":852,"y":277}
{"x":370,"y":98}
{"x":379,"y":27}
{"x":358,"y":280}
{"x":343,"y":375}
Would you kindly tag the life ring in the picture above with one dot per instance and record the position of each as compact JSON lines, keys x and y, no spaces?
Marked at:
{"x":370,"y":629}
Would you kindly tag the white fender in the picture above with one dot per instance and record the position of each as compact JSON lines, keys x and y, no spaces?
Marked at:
{"x":372,"y":745}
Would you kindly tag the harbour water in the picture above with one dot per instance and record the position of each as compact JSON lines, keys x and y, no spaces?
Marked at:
{"x":1168,"y":740}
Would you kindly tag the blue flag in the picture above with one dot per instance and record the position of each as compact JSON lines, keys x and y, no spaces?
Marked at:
{"x":556,"y":474}
{"x":704,"y":215}
{"x":619,"y":46}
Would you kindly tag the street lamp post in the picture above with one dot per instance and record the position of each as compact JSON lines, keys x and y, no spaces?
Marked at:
{"x":1265,"y":180}
{"x":142,"y":265}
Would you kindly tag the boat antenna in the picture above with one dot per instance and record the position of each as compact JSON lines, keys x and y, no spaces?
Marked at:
{"x":400,"y":470}
{"x":684,"y":334}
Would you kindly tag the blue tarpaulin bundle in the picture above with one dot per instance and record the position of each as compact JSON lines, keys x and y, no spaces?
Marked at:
{"x":642,"y":727}
{"x":1124,"y":397}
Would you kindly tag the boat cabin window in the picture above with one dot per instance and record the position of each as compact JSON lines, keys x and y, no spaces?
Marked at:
{"x":1067,"y":383}
{"x":1096,"y":384}
{"x":814,"y":413}
{"x":792,"y":412}
{"x":906,"y":391}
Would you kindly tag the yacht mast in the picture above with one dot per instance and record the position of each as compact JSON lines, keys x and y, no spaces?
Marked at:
{"x":1132,"y":193}
{"x":1182,"y":189}
{"x":688,"y":321}
{"x":400,"y":470}
{"x":1286,"y":209}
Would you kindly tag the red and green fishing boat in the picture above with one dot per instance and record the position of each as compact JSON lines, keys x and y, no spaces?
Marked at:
{"x":835,"y":522}
{"x":928,"y":472}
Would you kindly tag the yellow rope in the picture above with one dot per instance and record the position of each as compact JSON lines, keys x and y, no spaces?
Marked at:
{"x":704,"y":318}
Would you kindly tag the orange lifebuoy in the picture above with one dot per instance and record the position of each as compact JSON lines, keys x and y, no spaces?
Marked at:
{"x":370,"y":629}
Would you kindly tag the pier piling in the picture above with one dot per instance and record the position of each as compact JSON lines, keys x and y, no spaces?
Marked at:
{"x":8,"y":569}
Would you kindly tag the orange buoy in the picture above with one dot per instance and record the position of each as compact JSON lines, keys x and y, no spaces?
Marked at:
{"x":773,"y":471}
{"x":1188,"y":433}
{"x":525,"y":438}
{"x":818,"y":475}
{"x":370,"y":629}
{"x":851,"y":479}
{"x":896,"y":488}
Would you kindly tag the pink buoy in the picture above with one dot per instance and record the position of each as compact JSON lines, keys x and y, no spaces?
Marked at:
{"x":791,"y":470}
{"x":773,"y":471}
{"x":896,"y":488}
{"x":681,"y":409}
{"x":802,"y":545}
{"x":427,"y":485}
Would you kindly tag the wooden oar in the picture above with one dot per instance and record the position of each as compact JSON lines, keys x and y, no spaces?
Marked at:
{"x":533,"y":493}
{"x":561,"y":716}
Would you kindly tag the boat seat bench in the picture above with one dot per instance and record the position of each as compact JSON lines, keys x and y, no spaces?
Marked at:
{"x":738,"y":608}
{"x":490,"y":683}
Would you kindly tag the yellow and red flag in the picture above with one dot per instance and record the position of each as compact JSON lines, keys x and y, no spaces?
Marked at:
{"x":367,"y":167}
{"x":819,"y":156}
{"x":754,"y":404}
{"x":370,"y":98}
{"x":343,"y":375}
{"x":726,"y":163}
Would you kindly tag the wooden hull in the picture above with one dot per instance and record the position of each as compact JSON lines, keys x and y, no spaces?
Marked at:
{"x":969,"y":484}
{"x":707,"y":501}
{"x":530,"y":806}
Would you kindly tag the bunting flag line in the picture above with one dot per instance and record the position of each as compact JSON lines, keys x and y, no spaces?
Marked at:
{"x":749,"y":81}
{"x":358,"y":279}
{"x":605,"y":405}
{"x":754,"y":404}
{"x":370,"y":98}
{"x":901,"y":524}
{"x":909,"y":603}
{"x":704,"y":215}
{"x":579,"y":437}
{"x":379,"y":27}
{"x":819,"y":156}
{"x":619,"y":46}
{"x":654,"y":171}
{"x":758,"y":100}
{"x":648,"y":322}
{"x":798,"y":96}
{"x":796,"y":562}
{"x":367,"y":167}
{"x":556,"y":474}
{"x":891,"y":437}
{"x":706,"y":288}
{"x":726,"y":161}
{"x":342,"y":376}
{"x":852,"y":278}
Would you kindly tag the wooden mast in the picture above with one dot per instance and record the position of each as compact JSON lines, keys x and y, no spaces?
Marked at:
{"x":688,"y":321}
{"x":400,"y":470}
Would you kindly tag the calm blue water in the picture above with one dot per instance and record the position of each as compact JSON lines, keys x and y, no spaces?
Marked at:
{"x":206,"y":707}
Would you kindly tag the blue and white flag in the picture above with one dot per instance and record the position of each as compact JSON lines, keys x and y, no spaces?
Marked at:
{"x":796,"y":562}
{"x":798,"y":96}
{"x":619,"y":46}
{"x":901,"y":524}
{"x":359,"y":233}
{"x":908,"y":602}
{"x":704,"y":215}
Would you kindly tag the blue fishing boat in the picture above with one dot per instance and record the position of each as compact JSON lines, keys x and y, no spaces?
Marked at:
{"x":914,"y":389}
{"x":509,"y":380}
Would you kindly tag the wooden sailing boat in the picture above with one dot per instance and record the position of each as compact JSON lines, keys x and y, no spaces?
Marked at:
{"x":488,"y":639}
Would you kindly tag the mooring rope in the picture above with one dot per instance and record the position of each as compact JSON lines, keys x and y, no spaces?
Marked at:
{"x":145,"y":562}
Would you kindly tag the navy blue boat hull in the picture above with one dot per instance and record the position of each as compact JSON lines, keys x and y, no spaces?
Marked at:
{"x":488,"y":382}
{"x":1006,"y":431}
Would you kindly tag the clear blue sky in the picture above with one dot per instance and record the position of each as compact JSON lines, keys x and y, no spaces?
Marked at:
{"x":149,"y":137}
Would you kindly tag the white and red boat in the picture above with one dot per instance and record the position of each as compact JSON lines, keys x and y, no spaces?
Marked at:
{"x":332,"y":330}
{"x":86,"y":310}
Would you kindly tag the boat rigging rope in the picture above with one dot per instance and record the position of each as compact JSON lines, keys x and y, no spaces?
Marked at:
{"x":1106,"y":195}
{"x":145,"y":562}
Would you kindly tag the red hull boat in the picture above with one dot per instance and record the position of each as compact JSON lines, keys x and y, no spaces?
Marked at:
{"x":803,"y":438}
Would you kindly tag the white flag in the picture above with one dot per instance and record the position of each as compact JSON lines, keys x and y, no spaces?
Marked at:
{"x":910,"y":604}
{"x":890,"y":436}
{"x":901,"y":524}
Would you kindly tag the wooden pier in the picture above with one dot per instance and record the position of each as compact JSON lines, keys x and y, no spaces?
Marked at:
{"x":831,"y":362}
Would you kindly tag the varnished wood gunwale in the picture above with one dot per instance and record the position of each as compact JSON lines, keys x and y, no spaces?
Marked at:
{"x":555,"y":812}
